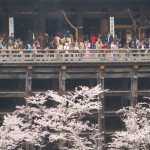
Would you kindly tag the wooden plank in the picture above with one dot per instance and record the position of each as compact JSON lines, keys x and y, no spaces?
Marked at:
{"x":118,"y":69}
{"x":143,"y":75}
{"x":45,"y":69}
{"x":12,"y":94}
{"x":118,"y":75}
{"x":110,"y":113}
{"x":81,"y":70}
{"x":144,"y":93}
{"x":45,"y":76}
{"x":117,"y":93}
{"x":81,"y":76}
{"x":12,"y":76}
{"x":144,"y":69}
{"x":123,"y":26}
{"x":12,"y":70}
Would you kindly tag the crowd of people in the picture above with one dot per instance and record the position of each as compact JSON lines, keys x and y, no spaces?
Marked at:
{"x":67,"y":41}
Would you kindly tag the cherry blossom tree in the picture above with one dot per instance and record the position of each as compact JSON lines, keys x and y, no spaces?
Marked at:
{"x":137,"y":128}
{"x":50,"y":118}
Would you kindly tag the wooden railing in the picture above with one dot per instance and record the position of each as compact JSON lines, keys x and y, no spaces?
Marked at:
{"x":92,"y":55}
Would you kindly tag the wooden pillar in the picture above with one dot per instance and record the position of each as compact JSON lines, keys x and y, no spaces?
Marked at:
{"x":101,"y":121}
{"x":37,"y":29}
{"x":134,"y":86}
{"x":8,"y":12}
{"x":62,"y":89}
{"x":28,"y":89}
{"x":28,"y":84}
{"x":62,"y":80}
{"x":142,"y":16}
{"x":110,"y":10}
{"x":80,"y":26}
{"x":110,"y":14}
{"x":42,"y":23}
{"x":104,"y":26}
{"x":42,"y":18}
{"x":5,"y":24}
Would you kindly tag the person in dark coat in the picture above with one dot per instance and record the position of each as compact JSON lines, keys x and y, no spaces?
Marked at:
{"x":109,"y":39}
{"x":30,"y":38}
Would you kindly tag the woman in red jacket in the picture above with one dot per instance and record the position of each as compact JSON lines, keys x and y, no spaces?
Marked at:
{"x":93,"y":41}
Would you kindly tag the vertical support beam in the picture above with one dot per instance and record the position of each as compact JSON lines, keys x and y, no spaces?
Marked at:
{"x":142,"y":15}
{"x":80,"y":26}
{"x":111,"y":19}
{"x":28,"y":89}
{"x":62,"y":90}
{"x":42,"y":18}
{"x":110,"y":13}
{"x":104,"y":26}
{"x":110,"y":10}
{"x":37,"y":28}
{"x":101,"y":121}
{"x":28,"y":84}
{"x":42,"y":22}
{"x":5,"y":24}
{"x":62,"y":80}
{"x":134,"y":86}
{"x":8,"y":12}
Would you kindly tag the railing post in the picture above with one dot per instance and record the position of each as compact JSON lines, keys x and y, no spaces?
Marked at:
{"x":10,"y":54}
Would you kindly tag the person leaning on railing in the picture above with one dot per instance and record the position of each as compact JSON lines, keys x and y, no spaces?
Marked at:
{"x":76,"y":45}
{"x":60,"y":46}
{"x":93,"y":41}
{"x":113,"y":45}
{"x":10,"y":44}
{"x":104,"y":45}
{"x":81,"y":45}
{"x":98,"y":44}
{"x":1,"y":39}
{"x":66,"y":47}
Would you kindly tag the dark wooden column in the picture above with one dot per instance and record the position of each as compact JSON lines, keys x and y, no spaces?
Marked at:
{"x":37,"y":30}
{"x":28,"y":84}
{"x":104,"y":26}
{"x":8,"y":12}
{"x":11,"y":11}
{"x":5,"y":23}
{"x":28,"y":89}
{"x":42,"y":18}
{"x":101,"y":121}
{"x":134,"y":86}
{"x":142,"y":15}
{"x":62,"y":80}
{"x":110,"y":14}
{"x":80,"y":26}
{"x":110,"y":11}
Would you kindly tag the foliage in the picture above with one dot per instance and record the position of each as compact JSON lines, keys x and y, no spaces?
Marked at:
{"x":137,"y":125}
{"x":49,"y":118}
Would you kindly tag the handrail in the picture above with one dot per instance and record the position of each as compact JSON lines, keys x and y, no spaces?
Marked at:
{"x":81,"y":55}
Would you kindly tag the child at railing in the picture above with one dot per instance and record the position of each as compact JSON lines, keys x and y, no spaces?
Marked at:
{"x":66,"y":47}
{"x":87,"y":47}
